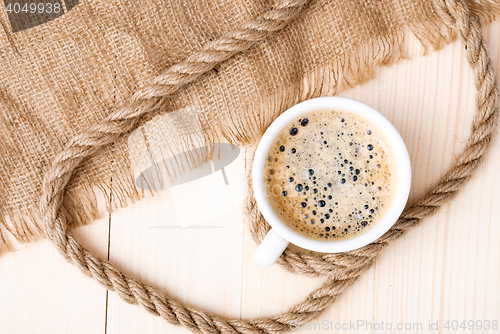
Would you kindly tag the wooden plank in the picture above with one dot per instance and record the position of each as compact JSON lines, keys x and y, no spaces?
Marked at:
{"x":201,"y":267}
{"x":447,"y":268}
{"x":42,"y":293}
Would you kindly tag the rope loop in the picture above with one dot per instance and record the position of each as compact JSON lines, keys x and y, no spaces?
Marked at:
{"x":341,"y":269}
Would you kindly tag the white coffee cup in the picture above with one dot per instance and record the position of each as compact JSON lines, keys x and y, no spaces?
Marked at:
{"x":281,"y":235}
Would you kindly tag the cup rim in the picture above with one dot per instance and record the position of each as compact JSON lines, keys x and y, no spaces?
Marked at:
{"x":403,"y":179}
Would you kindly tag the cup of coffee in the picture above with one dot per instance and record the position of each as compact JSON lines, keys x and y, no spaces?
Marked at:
{"x":330,"y":175}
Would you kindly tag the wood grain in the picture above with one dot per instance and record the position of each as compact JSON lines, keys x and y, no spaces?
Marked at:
{"x":446,"y":269}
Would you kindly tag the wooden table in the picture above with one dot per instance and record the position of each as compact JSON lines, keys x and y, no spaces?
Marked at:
{"x":446,"y":269}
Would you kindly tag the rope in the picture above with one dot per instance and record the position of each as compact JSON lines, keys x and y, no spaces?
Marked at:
{"x":342,"y":269}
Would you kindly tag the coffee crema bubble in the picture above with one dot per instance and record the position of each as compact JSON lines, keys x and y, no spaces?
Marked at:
{"x":330,"y":174}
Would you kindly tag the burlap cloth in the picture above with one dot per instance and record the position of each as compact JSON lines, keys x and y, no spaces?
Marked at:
{"x":60,"y":77}
{"x":66,"y":80}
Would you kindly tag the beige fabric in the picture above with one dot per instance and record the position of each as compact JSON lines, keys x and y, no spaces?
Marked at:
{"x":156,"y":145}
{"x":62,"y":76}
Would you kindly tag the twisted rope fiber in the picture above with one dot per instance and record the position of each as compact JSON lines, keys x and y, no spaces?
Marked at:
{"x":342,"y":269}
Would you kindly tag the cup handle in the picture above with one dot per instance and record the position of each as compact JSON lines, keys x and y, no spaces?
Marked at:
{"x":270,"y":249}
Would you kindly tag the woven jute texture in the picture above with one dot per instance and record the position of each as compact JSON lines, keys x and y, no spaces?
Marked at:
{"x":61,"y":77}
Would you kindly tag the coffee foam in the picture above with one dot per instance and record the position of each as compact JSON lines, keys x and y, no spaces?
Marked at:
{"x":330,"y":175}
